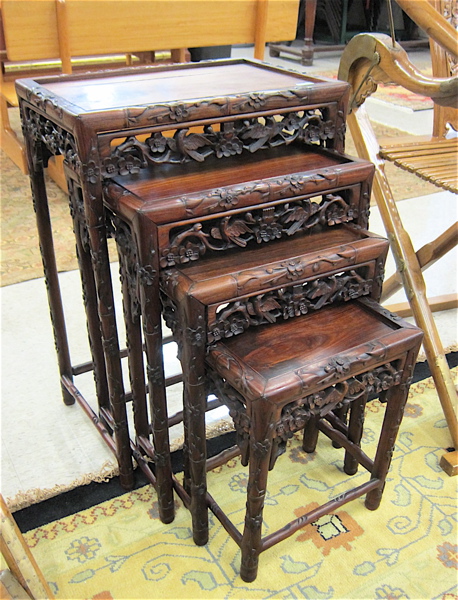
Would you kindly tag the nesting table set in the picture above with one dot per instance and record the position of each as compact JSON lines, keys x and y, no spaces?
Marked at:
{"x":240,"y":221}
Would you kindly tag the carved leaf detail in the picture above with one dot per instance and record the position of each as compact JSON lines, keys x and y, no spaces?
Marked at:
{"x":216,"y":233}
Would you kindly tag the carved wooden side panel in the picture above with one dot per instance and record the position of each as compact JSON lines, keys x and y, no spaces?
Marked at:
{"x":55,"y":139}
{"x":295,"y":415}
{"x":288,"y":302}
{"x":260,"y":225}
{"x":224,"y":139}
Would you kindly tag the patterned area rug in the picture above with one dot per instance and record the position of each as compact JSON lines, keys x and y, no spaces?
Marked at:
{"x":406,"y":549}
{"x":398,"y":95}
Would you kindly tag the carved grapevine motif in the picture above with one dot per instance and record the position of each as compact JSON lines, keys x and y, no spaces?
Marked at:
{"x":261,"y":225}
{"x":232,"y":138}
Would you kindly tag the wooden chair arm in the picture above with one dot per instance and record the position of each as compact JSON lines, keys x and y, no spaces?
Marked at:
{"x":371,"y":58}
{"x":434,"y":24}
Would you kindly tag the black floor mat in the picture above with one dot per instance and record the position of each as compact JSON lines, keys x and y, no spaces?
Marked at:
{"x":89,"y":495}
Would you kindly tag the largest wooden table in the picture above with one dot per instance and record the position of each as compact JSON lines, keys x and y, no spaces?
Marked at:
{"x":104,"y":126}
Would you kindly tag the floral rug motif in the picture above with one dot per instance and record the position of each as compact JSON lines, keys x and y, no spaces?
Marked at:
{"x":407,"y":549}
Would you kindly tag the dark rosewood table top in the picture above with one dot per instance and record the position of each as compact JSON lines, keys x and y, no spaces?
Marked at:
{"x":280,"y":360}
{"x":126,"y":97}
{"x":172,"y":180}
{"x":154,"y":87}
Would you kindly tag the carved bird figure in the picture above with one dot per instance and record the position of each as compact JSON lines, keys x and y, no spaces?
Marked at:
{"x":264,"y":307}
{"x":231,"y":231}
{"x":188,"y":144}
{"x":297,"y":215}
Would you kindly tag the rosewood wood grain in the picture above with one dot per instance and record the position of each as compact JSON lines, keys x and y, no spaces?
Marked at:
{"x":77,"y":116}
{"x":262,"y":279}
{"x":340,"y":354}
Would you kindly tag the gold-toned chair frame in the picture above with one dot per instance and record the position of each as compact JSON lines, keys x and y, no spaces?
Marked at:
{"x":370,"y":59}
{"x":20,"y":560}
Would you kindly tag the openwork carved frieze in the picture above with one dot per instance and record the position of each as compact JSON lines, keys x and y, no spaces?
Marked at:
{"x":55,"y":139}
{"x":191,"y":242}
{"x":222,"y":140}
{"x":128,"y":260}
{"x":287,"y":302}
{"x":294,"y":416}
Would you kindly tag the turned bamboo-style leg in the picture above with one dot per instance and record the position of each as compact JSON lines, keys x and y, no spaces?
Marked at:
{"x":134,"y":340}
{"x":89,"y":299}
{"x":186,"y":459}
{"x":96,"y":227}
{"x":393,"y":416}
{"x":310,"y":436}
{"x":193,"y":366}
{"x":262,"y":429}
{"x":396,"y":399}
{"x":100,"y":263}
{"x":148,"y":274}
{"x":45,"y":235}
{"x":409,"y":269}
{"x":355,"y":431}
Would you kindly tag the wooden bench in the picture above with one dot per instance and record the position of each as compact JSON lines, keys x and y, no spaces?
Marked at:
{"x":66,"y":29}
